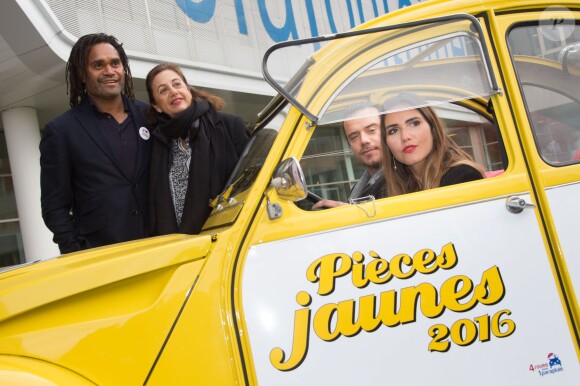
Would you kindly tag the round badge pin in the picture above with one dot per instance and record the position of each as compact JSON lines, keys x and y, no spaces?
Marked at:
{"x":144,"y":133}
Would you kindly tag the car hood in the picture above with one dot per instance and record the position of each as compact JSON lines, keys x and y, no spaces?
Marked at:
{"x":35,"y":285}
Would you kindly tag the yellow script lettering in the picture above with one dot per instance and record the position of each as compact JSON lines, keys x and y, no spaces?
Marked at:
{"x":300,"y":340}
{"x":327,"y":269}
{"x":343,"y":318}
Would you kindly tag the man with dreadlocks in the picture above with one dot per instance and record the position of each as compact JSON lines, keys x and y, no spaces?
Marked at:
{"x":95,"y":157}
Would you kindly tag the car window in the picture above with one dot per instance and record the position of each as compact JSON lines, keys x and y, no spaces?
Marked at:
{"x":547,"y":63}
{"x":331,"y":170}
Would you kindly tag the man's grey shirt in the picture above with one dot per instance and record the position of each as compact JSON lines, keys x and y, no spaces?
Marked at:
{"x":369,"y":185}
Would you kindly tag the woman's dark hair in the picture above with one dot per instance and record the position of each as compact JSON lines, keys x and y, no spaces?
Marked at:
{"x":444,"y":155}
{"x":77,"y":66}
{"x":152,"y":116}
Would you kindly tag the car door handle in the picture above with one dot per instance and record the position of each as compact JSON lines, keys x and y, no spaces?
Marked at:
{"x":515,"y":204}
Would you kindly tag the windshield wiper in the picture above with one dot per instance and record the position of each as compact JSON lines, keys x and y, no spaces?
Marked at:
{"x":243,"y":182}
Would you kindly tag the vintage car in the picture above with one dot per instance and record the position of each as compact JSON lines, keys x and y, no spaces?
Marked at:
{"x":473,"y":283}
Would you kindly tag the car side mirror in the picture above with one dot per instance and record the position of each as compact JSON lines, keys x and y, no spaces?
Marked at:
{"x":288,"y":180}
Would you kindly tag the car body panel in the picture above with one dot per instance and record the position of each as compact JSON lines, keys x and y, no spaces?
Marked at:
{"x":271,"y":293}
{"x":104,"y":313}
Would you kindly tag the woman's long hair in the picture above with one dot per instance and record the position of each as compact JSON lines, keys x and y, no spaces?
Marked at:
{"x":77,"y":66}
{"x":444,"y":155}
{"x":152,"y":116}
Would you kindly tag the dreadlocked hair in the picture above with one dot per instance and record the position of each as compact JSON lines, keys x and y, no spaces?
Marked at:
{"x":77,"y":65}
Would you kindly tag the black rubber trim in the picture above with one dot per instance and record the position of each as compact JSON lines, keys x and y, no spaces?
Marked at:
{"x":170,"y":331}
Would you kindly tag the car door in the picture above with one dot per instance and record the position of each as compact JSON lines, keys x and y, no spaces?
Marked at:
{"x":457,"y":284}
{"x":546,"y":80}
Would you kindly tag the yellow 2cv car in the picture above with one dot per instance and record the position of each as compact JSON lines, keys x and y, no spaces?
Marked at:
{"x":473,"y":283}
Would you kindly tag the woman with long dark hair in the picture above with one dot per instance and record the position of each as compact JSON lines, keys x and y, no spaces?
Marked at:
{"x":418,"y":154}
